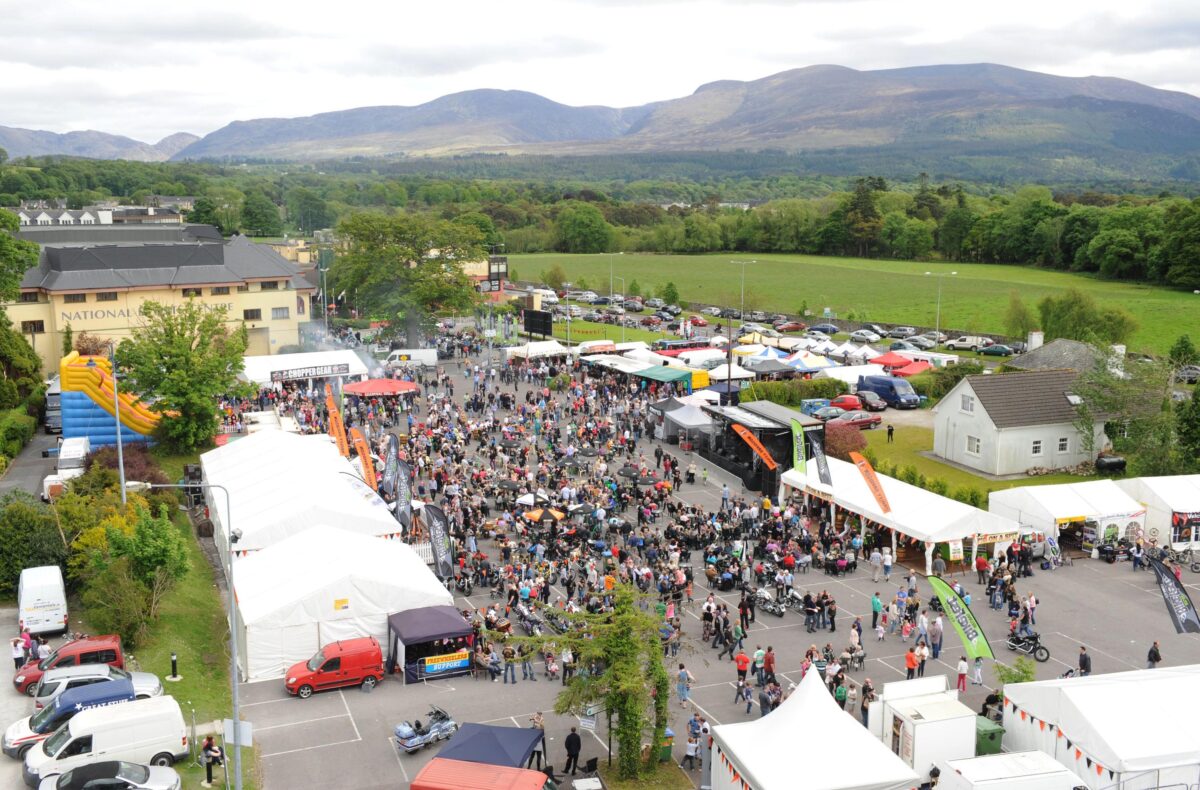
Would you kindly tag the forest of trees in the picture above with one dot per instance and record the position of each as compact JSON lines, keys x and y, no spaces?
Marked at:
{"x":1153,"y":238}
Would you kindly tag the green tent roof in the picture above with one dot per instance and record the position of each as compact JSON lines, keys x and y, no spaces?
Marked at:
{"x":665,"y":374}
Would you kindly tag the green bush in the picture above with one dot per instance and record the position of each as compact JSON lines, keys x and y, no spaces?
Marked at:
{"x":115,"y":602}
{"x":16,"y":429}
{"x":29,"y":538}
{"x":35,"y":401}
{"x":938,"y":486}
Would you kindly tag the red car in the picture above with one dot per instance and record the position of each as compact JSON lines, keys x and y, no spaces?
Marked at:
{"x":698,"y":320}
{"x":790,"y":326}
{"x":859,"y":419}
{"x":651,"y":321}
{"x":847,"y":402}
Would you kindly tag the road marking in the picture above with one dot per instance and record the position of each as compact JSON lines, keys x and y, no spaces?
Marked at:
{"x":265,"y":702}
{"x":399,"y":762}
{"x":1095,"y":650}
{"x":298,"y":723}
{"x":310,"y":748}
{"x":707,"y":715}
{"x":353,"y":724}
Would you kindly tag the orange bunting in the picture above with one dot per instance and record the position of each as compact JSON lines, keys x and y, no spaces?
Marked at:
{"x":1060,"y":733}
{"x":1022,"y":715}
{"x":1042,"y":726}
{"x":1099,"y":769}
{"x":1078,"y":754}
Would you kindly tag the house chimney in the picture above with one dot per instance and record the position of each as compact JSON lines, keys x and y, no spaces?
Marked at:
{"x":1036,"y":340}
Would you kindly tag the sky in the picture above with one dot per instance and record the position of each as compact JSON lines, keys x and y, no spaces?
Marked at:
{"x":147,"y":70}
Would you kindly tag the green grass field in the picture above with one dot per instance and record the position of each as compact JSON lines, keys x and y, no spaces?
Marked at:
{"x":589,"y":330}
{"x":973,"y":300}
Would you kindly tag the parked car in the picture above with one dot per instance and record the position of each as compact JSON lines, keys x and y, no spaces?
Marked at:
{"x":902,"y":345}
{"x":790,"y":326}
{"x":673,"y":309}
{"x":847,"y":402}
{"x":902,"y":332}
{"x":56,"y":681}
{"x":758,"y":315}
{"x":816,"y":334}
{"x":864,"y":336}
{"x":651,"y":321}
{"x":749,"y":327}
{"x":633,"y":306}
{"x":664,"y":315}
{"x":1189,"y":374}
{"x":27,"y":732}
{"x":828,"y":329}
{"x":778,"y":317}
{"x":601,"y":301}
{"x":350,"y":662}
{"x":593,"y":315}
{"x":828,"y":413}
{"x":921,"y":342}
{"x":114,"y":775}
{"x":713,"y":311}
{"x":876,"y":328}
{"x":997,"y":350}
{"x":871,"y":401}
{"x":615,"y":309}
{"x":655,"y":303}
{"x":862,"y":420}
{"x":671,"y":326}
{"x":698,"y":320}
{"x":1018,"y":346}
{"x":92,"y":650}
{"x":730,"y":312}
{"x":935,"y":336}
{"x":968,"y":343}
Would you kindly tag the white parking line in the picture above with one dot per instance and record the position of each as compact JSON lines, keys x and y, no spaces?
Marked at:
{"x":399,"y":762}
{"x":1095,"y":650}
{"x":353,"y":724}
{"x":265,"y":702}
{"x":310,"y":748}
{"x":298,"y":723}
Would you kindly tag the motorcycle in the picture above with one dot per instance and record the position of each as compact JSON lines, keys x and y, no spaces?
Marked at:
{"x":764,"y":601}
{"x":1030,"y":646}
{"x":462,"y":583}
{"x":416,"y":736}
{"x":795,"y":600}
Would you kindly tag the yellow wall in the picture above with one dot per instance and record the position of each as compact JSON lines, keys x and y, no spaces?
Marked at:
{"x":114,"y":320}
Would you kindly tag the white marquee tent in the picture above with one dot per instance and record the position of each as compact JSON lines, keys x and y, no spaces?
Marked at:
{"x":538,"y":349}
{"x":1172,"y":507}
{"x":259,"y":369}
{"x":850,"y":373}
{"x":766,"y":753}
{"x":322,"y":585}
{"x":1046,"y":507}
{"x":689,"y":419}
{"x":701,"y":355}
{"x":725,"y":372}
{"x":1131,"y":729}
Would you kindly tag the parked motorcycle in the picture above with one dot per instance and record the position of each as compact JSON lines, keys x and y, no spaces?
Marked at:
{"x":1030,"y":646}
{"x":416,"y":736}
{"x":764,"y":601}
{"x":795,"y":600}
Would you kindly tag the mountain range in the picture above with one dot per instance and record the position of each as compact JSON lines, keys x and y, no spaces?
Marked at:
{"x":978,"y":110}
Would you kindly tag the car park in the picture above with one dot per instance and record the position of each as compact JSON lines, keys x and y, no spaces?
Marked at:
{"x":63,"y":679}
{"x":968,"y":343}
{"x":997,"y":350}
{"x":90,"y":650}
{"x":828,"y":329}
{"x":114,"y":775}
{"x":871,"y":401}
{"x":901,"y":332}
{"x":698,"y":320}
{"x":350,"y":662}
{"x":864,"y":336}
{"x":790,"y":326}
{"x":863,"y":420}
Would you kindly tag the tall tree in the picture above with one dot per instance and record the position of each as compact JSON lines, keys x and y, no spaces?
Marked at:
{"x":669,"y":293}
{"x":1179,"y":261}
{"x":1183,"y":352}
{"x":1076,"y":315}
{"x":185,"y":358}
{"x":308,"y":210}
{"x":863,"y":222}
{"x":580,"y":227}
{"x":16,"y":256}
{"x":554,"y":277}
{"x":1018,"y":318}
{"x":408,"y":267}
{"x":260,"y":215}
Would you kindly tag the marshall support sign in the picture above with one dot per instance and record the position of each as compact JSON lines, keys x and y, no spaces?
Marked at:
{"x":314,"y":372}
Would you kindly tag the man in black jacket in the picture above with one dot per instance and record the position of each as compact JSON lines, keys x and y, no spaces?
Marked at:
{"x":573,"y":744}
{"x":1085,"y":662}
{"x":1154,"y":656}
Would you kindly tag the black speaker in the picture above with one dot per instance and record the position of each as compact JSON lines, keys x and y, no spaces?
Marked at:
{"x":539,"y":322}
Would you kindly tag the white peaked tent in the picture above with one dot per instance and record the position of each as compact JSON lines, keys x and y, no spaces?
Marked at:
{"x":538,"y":350}
{"x":689,"y":418}
{"x":850,"y":373}
{"x":322,"y":585}
{"x":1172,"y":507}
{"x":768,"y":753}
{"x":770,"y":352}
{"x":700,"y":356}
{"x":725,"y":372}
{"x":1132,"y":724}
{"x":1046,"y":507}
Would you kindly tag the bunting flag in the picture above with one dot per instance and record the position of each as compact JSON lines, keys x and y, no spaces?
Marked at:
{"x":364,"y":458}
{"x":974,"y":640}
{"x":1175,"y":595}
{"x":1071,"y":746}
{"x":799,"y":461}
{"x":872,"y":479}
{"x":755,"y":445}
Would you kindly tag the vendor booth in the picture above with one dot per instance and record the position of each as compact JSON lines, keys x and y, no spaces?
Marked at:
{"x":685,"y":425}
{"x":1172,"y":508}
{"x":1077,"y":515}
{"x":850,"y":373}
{"x":487,"y":743}
{"x":278,"y":368}
{"x":538,"y":349}
{"x":319,"y":586}
{"x":429,"y":642}
{"x":771,"y":753}
{"x":1128,"y":730}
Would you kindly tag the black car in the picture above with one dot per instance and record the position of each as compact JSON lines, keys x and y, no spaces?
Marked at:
{"x":829,"y":329}
{"x":729,"y":312}
{"x":673,"y":309}
{"x":665,"y":315}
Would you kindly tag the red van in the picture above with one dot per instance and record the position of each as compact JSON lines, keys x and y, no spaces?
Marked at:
{"x":93,"y":650}
{"x":442,"y":774}
{"x":351,"y":662}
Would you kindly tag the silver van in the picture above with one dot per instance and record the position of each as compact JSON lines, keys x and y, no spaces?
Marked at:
{"x":56,"y":681}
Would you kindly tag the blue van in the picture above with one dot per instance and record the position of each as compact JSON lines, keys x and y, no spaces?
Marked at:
{"x":24,"y":733}
{"x":895,"y":391}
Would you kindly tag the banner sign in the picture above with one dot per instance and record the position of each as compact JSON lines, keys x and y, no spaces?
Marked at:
{"x":337,"y":428}
{"x":403,"y":482}
{"x":436,"y":665}
{"x":755,"y":445}
{"x":868,"y":473}
{"x":974,"y":641}
{"x":364,"y":457}
{"x":1175,"y":596}
{"x":439,"y":538}
{"x":799,"y":461}
{"x":314,"y":372}
{"x":956,"y":550}
{"x":818,"y":450}
{"x":391,"y":465}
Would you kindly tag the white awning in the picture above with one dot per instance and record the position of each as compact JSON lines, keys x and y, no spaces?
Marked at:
{"x":291,"y":367}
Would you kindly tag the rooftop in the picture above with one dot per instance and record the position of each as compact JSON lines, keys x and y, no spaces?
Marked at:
{"x":1060,"y":354}
{"x":1015,"y":400}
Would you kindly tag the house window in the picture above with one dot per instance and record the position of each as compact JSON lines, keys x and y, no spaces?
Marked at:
{"x":269,"y":285}
{"x":1064,"y":444}
{"x":30,"y":297}
{"x":973,"y":445}
{"x":106,"y":296}
{"x":189,"y":293}
{"x":243,"y":289}
{"x":1036,"y":447}
{"x":220,"y":290}
{"x":75,"y":298}
{"x":279,"y":313}
{"x":252,"y":315}
{"x":33,"y":327}
{"x":967,"y":404}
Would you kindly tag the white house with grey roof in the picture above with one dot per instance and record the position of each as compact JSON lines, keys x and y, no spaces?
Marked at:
{"x":1008,"y":423}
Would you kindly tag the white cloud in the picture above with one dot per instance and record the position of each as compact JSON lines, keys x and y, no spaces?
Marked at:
{"x":148,"y":69}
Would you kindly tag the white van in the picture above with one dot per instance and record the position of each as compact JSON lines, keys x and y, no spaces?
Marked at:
{"x":411,"y":357}
{"x":72,"y":455}
{"x":42,"y":600}
{"x":143,"y":731}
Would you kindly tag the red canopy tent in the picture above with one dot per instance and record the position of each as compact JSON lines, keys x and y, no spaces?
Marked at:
{"x":890,"y":360}
{"x":913,"y":369}
{"x":381,"y":387}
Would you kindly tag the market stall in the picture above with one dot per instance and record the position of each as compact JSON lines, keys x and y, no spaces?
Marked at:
{"x":685,"y":424}
{"x":1116,"y":730}
{"x":487,"y":743}
{"x":538,"y":349}
{"x":1172,"y":508}
{"x":1079,"y":515}
{"x":429,"y":642}
{"x":764,"y":754}
{"x":850,"y":373}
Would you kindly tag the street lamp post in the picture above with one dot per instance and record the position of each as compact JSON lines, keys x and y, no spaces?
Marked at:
{"x":937,"y":326}
{"x":743,"y":265}
{"x":117,"y":417}
{"x":622,"y":317}
{"x":233,"y":536}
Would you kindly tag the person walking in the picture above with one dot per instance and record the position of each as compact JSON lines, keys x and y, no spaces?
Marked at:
{"x":876,"y":610}
{"x":1154,"y":656}
{"x":537,"y":723}
{"x":212,"y":756}
{"x":683,"y":685}
{"x":978,"y":679}
{"x":573,"y":744}
{"x":1085,"y":662}
{"x":962,"y":673}
{"x":887,"y":567}
{"x":742,"y":662}
{"x":18,"y":653}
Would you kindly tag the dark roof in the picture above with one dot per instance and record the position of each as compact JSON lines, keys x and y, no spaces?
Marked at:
{"x":487,"y":743}
{"x":90,"y":267}
{"x":780,"y":414}
{"x":116,"y":234}
{"x":428,"y":623}
{"x":1061,"y":354}
{"x":1016,"y":400}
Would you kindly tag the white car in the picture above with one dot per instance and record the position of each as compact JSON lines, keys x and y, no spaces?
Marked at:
{"x":712,"y":311}
{"x":813,"y":334}
{"x":864,"y":336}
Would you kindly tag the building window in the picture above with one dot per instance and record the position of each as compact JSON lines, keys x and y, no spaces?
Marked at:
{"x":269,"y":285}
{"x":190,"y":293}
{"x":1064,"y":444}
{"x":252,"y":315}
{"x":106,"y":296}
{"x":30,"y":297}
{"x":33,"y":327}
{"x":967,"y":404}
{"x":243,"y":289}
{"x":220,"y":290}
{"x":1036,"y":447}
{"x":75,"y":298}
{"x":973,"y":445}
{"x":279,"y":313}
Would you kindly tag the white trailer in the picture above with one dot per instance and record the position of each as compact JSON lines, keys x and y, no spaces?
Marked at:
{"x":924,"y":731}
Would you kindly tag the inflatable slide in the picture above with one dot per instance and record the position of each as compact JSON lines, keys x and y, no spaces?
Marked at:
{"x":87,"y":404}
